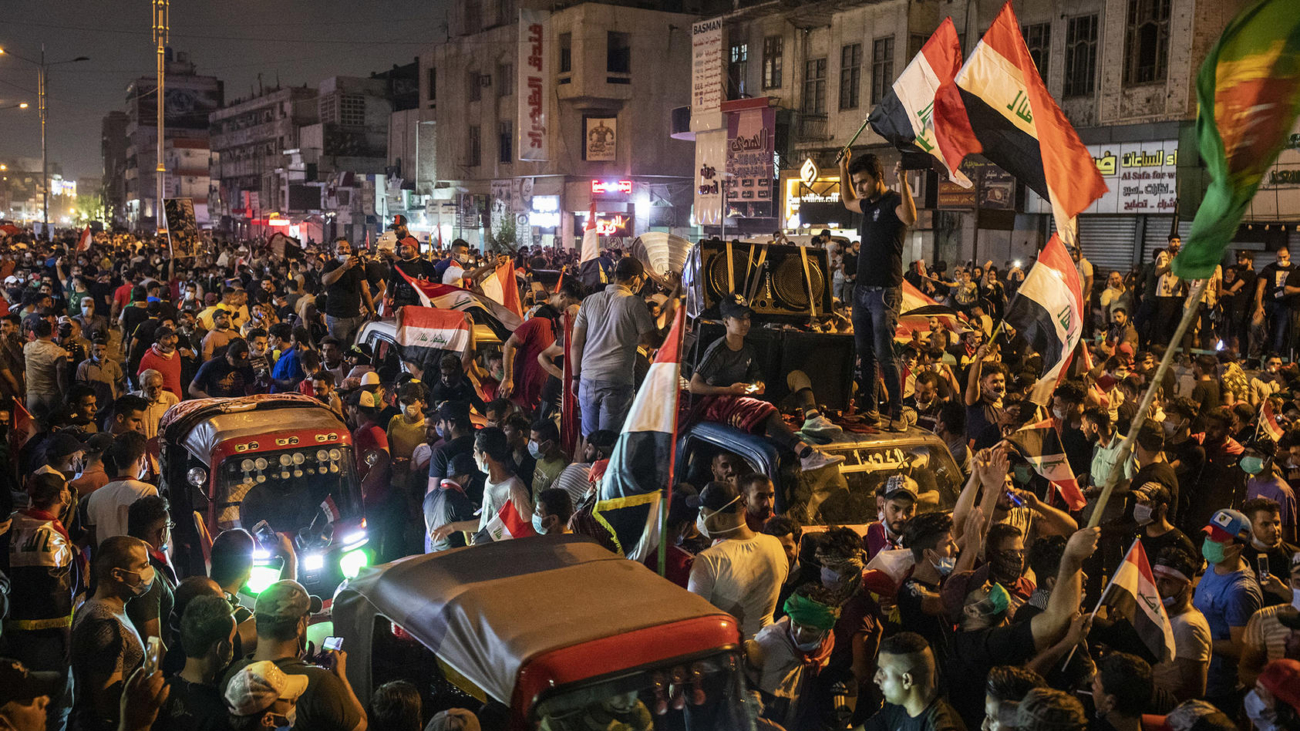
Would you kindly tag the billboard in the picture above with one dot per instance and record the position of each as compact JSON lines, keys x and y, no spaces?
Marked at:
{"x":750,"y":158}
{"x":189,"y":102}
{"x":532,"y":78}
{"x":1141,"y":178}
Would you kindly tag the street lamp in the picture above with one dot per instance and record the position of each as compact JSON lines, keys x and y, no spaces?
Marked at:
{"x":19,"y":105}
{"x":42,"y":81}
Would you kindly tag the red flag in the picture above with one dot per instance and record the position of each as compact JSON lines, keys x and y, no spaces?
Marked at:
{"x":1268,"y":421}
{"x":1132,"y":595}
{"x":449,"y":297}
{"x":24,"y":426}
{"x":83,"y":244}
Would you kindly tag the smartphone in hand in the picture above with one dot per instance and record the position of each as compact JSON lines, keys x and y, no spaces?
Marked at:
{"x":152,"y":656}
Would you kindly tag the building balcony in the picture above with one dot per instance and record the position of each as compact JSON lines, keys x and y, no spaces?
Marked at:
{"x":813,"y":128}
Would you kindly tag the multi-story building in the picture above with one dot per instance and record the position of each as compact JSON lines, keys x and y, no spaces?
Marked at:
{"x":1123,"y":71}
{"x":112,"y":149}
{"x":539,"y":120}
{"x":190,"y":99}
{"x":249,"y":140}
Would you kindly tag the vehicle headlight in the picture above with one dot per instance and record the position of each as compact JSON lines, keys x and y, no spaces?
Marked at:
{"x":313,"y":562}
{"x":261,"y":463}
{"x":197,"y":476}
{"x":336,"y":455}
{"x":299,"y":458}
{"x":261,"y":577}
{"x":322,"y":456}
{"x":246,"y":465}
{"x":352,"y":562}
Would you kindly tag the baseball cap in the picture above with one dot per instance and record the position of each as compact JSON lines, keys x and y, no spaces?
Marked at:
{"x":20,"y":685}
{"x":63,"y":444}
{"x":1228,"y":525}
{"x":461,"y":464}
{"x":715,"y":496}
{"x":899,"y":485}
{"x":98,"y":442}
{"x":256,"y":686}
{"x":680,"y":509}
{"x":735,"y":306}
{"x":285,"y":600}
{"x":453,"y":411}
{"x":367,"y":400}
{"x":399,"y":220}
{"x":1282,"y":678}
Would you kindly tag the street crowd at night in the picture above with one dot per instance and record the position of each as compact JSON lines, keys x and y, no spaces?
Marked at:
{"x":558,"y":463}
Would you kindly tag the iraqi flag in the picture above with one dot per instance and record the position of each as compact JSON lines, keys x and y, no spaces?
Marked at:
{"x":1000,"y":107}
{"x":508,"y":524}
{"x":1048,"y":311}
{"x":503,"y":289}
{"x":421,"y":331}
{"x":83,"y":243}
{"x":1268,"y":422}
{"x":917,"y":310}
{"x":1041,"y":445}
{"x":640,"y":470}
{"x":905,"y":116}
{"x":449,"y":297}
{"x":24,"y":426}
{"x":1132,"y":595}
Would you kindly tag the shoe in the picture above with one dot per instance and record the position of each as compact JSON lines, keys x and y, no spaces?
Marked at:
{"x":822,"y":429}
{"x":819,"y":459}
{"x":897,"y":424}
{"x":870,"y":418}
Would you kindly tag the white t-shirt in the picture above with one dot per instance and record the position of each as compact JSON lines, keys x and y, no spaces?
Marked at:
{"x":742,"y":578}
{"x":106,"y":508}
{"x":496,"y":495}
{"x":1192,"y":641}
{"x":453,"y":274}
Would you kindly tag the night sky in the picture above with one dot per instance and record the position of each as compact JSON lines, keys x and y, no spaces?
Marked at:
{"x":301,"y":41}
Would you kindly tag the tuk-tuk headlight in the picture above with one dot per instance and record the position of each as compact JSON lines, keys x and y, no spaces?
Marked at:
{"x":352,"y":562}
{"x":372,"y":458}
{"x":260,"y":463}
{"x":299,"y":458}
{"x":313,"y":562}
{"x":285,"y":460}
{"x":246,"y":465}
{"x":197,"y":476}
{"x":322,"y":456}
{"x":336,"y":455}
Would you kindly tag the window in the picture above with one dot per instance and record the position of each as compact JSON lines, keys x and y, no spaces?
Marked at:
{"x":473,"y":86}
{"x":882,"y":67}
{"x":737,"y":67}
{"x":1146,"y":42}
{"x":1080,"y":55}
{"x":433,"y":84}
{"x":352,"y":110}
{"x":505,"y":142}
{"x":850,"y":75}
{"x":473,"y":151}
{"x":773,"y":48}
{"x":566,"y":53}
{"x":1038,"y":38}
{"x":473,"y":16}
{"x":505,"y":79}
{"x":618,"y":52}
{"x":505,"y":11}
{"x":814,"y":86}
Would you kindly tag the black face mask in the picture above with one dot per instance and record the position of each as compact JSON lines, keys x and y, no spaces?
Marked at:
{"x":1005,"y":566}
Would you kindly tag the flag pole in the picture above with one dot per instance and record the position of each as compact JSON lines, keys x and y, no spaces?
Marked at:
{"x":1126,"y":448}
{"x":679,"y":318}
{"x":852,"y":139}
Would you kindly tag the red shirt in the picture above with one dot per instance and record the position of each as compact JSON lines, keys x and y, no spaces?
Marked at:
{"x":122,"y":295}
{"x":170,"y":368}
{"x":534,"y":336}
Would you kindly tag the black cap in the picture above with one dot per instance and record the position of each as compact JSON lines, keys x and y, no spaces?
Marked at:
{"x":63,"y":444}
{"x":680,"y":509}
{"x":715,"y":497}
{"x":735,"y":306}
{"x":453,"y":411}
{"x":20,"y":685}
{"x":461,"y":464}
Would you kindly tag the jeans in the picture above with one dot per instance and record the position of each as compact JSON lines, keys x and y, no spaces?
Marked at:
{"x":41,"y":405}
{"x":1280,"y":317}
{"x":604,"y":405}
{"x":344,"y":328}
{"x":845,"y":292}
{"x":875,"y":319}
{"x":46,"y":650}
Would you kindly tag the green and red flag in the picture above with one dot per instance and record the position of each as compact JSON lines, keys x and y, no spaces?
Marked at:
{"x":1249,"y":94}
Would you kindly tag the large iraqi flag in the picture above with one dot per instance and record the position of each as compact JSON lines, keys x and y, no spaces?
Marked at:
{"x":639,"y":475}
{"x":449,"y":297}
{"x":1132,"y":595}
{"x":1048,"y":311}
{"x":423,"y":330}
{"x":905,"y":116}
{"x":1000,"y":107}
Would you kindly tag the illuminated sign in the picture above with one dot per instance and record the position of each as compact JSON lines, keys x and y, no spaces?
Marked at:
{"x":616,"y":225}
{"x":611,"y":186}
{"x":822,"y":190}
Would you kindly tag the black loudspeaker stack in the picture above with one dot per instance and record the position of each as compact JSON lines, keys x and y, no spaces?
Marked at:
{"x":771,"y":277}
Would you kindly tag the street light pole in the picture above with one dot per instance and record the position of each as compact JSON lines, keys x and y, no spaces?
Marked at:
{"x":161,"y":26}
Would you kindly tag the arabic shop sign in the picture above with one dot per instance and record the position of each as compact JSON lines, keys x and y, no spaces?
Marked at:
{"x":1141,"y":178}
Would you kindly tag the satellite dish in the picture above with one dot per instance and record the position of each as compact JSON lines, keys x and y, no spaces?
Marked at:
{"x":661,"y":252}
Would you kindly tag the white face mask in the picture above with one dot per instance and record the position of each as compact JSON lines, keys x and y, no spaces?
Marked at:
{"x":1295,"y":599}
{"x":1142,"y":514}
{"x":343,"y":258}
{"x":702,"y":521}
{"x":412,"y":412}
{"x":804,"y":646}
{"x":1263,"y":717}
{"x":1059,"y":414}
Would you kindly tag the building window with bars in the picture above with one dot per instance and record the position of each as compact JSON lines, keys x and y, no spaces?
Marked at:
{"x":352,"y":110}
{"x":850,"y":75}
{"x":473,"y":86}
{"x":773,"y":48}
{"x":618,"y":52}
{"x":1146,"y":42}
{"x":566,"y":53}
{"x":505,"y":79}
{"x":882,"y":67}
{"x":505,"y":142}
{"x":737,"y":70}
{"x":473,"y":16}
{"x":473,"y":148}
{"x":814,"y":86}
{"x":1080,"y":55}
{"x":1038,"y":38}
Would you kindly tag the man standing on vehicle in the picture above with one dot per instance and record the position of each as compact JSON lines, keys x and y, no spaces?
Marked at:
{"x":347,"y":293}
{"x":886,"y":217}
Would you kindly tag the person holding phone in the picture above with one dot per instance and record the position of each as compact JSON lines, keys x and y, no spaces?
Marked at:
{"x":347,"y":293}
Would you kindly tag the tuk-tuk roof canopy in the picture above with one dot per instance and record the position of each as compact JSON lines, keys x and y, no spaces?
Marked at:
{"x":487,"y":610}
{"x":200,"y":425}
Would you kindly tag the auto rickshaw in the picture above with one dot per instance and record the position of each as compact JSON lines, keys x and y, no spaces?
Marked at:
{"x":558,"y":629}
{"x":285,"y":459}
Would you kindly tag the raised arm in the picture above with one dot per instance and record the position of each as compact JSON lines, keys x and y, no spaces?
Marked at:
{"x":1063,"y":604}
{"x":848,"y":196}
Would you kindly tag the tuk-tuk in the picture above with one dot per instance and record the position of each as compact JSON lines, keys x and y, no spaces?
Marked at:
{"x":281,"y":458}
{"x":556,"y":628}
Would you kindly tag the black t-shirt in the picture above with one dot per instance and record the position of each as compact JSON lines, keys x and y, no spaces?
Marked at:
{"x":1190,"y":457}
{"x":1293,"y":280}
{"x":938,"y":716}
{"x":1207,"y":394}
{"x":722,"y":366}
{"x":1161,"y":473}
{"x":913,"y":618}
{"x":220,"y":379}
{"x":1153,"y":546}
{"x":192,"y":707}
{"x":850,"y":265}
{"x":880,"y":263}
{"x":343,"y":297}
{"x":324,"y":706}
{"x":132,"y":318}
{"x":401,"y":292}
{"x":973,"y":654}
{"x":1275,"y":277}
{"x":1246,"y":295}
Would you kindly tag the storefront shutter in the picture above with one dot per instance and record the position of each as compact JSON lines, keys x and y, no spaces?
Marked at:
{"x":1107,"y":242}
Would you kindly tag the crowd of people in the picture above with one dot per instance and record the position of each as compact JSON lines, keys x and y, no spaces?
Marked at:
{"x":977,"y":611}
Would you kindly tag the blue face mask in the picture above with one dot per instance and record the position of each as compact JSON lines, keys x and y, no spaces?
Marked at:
{"x":945,"y":565}
{"x":1022,"y":473}
{"x":537,"y":525}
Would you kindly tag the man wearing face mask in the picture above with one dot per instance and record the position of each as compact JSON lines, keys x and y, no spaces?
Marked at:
{"x":1266,"y":637}
{"x":1274,"y":703}
{"x":411,"y":264}
{"x":506,"y":500}
{"x":896,"y":500}
{"x":1271,"y":297}
{"x":149,"y":519}
{"x":920,"y":604}
{"x":1228,"y":594}
{"x":106,"y":648}
{"x":207,"y":634}
{"x":1183,"y":675}
{"x":552,"y":512}
{"x":544,"y":447}
{"x":457,"y":264}
{"x":262,"y":697}
{"x":328,"y":702}
{"x":40,"y":599}
{"x":1151,"y":513}
{"x":107,"y":507}
{"x":785,"y":657}
{"x":743,"y":573}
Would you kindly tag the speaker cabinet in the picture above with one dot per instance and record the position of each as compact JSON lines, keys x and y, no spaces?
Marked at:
{"x":776,"y":289}
{"x":827,"y":359}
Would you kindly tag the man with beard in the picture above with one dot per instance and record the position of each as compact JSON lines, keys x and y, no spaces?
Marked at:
{"x":1267,"y":382}
{"x":758,"y":492}
{"x":925,"y":400}
{"x":207,"y":639}
{"x":1272,"y":299}
{"x":1266,"y":531}
{"x":411,"y":264}
{"x":282,"y":612}
{"x":896,"y":504}
{"x":986,"y":384}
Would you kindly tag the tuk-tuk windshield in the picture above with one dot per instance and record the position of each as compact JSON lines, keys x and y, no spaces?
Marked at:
{"x":701,"y":694}
{"x":288,"y":488}
{"x":847,"y":495}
